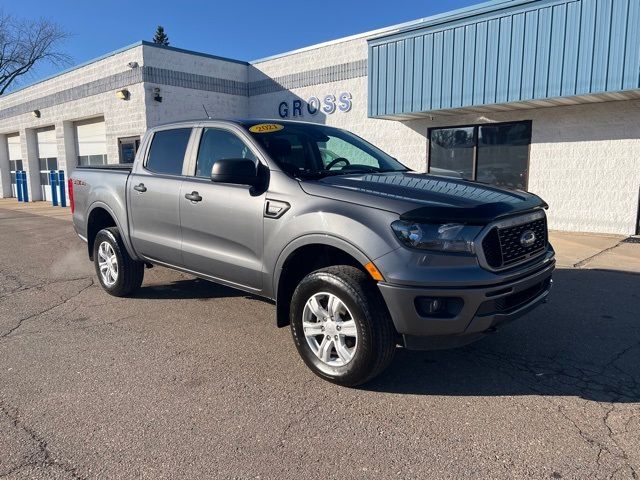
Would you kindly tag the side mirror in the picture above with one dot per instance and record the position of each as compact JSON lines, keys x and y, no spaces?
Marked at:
{"x":239,"y":171}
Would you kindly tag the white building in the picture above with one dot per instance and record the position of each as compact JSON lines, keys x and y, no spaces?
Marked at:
{"x":536,"y":94}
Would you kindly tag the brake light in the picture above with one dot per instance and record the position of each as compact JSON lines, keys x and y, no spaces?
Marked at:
{"x":71,"y":203}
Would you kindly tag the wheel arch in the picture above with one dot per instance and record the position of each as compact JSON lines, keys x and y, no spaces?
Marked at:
{"x":305,"y":255}
{"x":101,"y":216}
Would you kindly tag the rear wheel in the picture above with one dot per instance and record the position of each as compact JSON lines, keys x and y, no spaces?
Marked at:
{"x":118,"y":274}
{"x":341,"y":326}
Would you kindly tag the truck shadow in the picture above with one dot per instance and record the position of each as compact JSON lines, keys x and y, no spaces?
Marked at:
{"x":584,"y":342}
{"x":191,"y":289}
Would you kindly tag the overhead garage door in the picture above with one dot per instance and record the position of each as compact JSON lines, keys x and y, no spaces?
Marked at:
{"x":91,"y":141}
{"x":15,"y":159}
{"x":47,"y":158}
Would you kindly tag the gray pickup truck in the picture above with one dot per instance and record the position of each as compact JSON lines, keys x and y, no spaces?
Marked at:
{"x":360,"y":253}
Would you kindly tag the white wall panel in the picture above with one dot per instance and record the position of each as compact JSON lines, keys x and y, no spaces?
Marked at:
{"x":47,"y":146}
{"x":91,"y":137}
{"x":13,"y":142}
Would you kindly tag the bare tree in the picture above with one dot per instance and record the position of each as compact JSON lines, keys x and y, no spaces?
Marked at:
{"x":24,"y":44}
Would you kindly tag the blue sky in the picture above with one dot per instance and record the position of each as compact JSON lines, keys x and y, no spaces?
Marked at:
{"x":245,"y":30}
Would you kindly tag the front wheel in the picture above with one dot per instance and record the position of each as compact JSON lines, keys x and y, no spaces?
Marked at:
{"x":118,"y":273}
{"x":340,"y":325}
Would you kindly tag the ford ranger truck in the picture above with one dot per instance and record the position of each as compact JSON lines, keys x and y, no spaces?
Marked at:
{"x":359,"y":253}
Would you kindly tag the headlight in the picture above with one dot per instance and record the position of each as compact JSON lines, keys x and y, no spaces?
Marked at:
{"x":448,"y":237}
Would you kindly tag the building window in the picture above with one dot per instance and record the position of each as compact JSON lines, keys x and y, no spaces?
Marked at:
{"x":128,"y":148}
{"x":14,"y":166}
{"x":46,"y":165}
{"x":495,"y":153}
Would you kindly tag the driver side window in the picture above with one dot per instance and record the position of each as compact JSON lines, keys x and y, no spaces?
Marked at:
{"x":217,"y":144}
{"x":335,"y":148}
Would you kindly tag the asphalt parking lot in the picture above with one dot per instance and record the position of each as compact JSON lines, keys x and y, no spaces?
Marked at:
{"x":192,"y":380}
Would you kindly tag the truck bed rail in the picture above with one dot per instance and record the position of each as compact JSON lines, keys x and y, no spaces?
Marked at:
{"x":114,"y":166}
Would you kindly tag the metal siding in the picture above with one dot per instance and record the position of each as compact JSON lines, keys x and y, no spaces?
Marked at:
{"x":436,"y":86}
{"x":491,"y":72}
{"x":469,"y":66}
{"x":504,"y":60}
{"x":458,"y":66}
{"x":529,"y":66}
{"x":517,"y":54}
{"x":541,"y":81}
{"x":585,"y":57}
{"x":556,"y":56}
{"x":373,"y":80}
{"x":418,"y":52}
{"x":617,"y":44}
{"x":447,"y":68}
{"x":631,"y":76}
{"x":382,"y":80}
{"x":401,"y":72}
{"x":391,"y":79}
{"x":601,"y":46}
{"x":481,"y":64}
{"x":427,"y":74}
{"x":517,"y":51}
{"x":571,"y":46}
{"x":407,"y":102}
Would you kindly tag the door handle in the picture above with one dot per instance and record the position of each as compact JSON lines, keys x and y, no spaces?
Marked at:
{"x":193,"y":196}
{"x":140,"y":188}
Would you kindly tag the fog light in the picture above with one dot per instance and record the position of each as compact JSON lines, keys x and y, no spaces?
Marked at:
{"x":439,"y":307}
{"x":430,"y":305}
{"x":436,"y":305}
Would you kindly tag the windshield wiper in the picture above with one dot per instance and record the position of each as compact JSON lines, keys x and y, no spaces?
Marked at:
{"x":313,"y":175}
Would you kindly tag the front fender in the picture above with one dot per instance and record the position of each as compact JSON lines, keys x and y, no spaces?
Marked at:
{"x":315,"y":239}
{"x":362,"y":232}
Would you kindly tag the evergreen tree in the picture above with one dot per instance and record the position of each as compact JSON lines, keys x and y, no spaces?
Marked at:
{"x":160,"y":37}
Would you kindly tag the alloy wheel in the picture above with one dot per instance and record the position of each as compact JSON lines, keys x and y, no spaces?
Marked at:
{"x":330,"y":329}
{"x":108,"y":264}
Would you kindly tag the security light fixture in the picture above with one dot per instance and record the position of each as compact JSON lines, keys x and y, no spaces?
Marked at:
{"x":156,"y":94}
{"x":36,"y":113}
{"x":123,"y":94}
{"x":133,"y":65}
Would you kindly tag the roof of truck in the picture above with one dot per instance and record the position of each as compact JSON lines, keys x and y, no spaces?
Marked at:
{"x":245,"y":122}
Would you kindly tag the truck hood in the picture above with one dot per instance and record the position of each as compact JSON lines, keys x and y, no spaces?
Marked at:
{"x":423,"y":197}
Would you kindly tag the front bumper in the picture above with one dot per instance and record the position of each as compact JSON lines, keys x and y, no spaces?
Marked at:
{"x":483,"y":308}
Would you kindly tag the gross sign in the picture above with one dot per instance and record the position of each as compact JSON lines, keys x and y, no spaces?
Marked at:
{"x":329,"y":104}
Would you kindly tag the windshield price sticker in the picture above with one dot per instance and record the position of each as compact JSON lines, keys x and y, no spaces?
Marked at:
{"x":266,"y":128}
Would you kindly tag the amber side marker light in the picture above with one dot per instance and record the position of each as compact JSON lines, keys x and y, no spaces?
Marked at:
{"x":374,"y":272}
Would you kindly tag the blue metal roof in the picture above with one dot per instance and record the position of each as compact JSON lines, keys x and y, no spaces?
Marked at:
{"x":506,"y":51}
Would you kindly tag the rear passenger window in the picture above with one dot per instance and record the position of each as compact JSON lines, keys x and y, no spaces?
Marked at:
{"x":218,"y":144}
{"x":168,"y":147}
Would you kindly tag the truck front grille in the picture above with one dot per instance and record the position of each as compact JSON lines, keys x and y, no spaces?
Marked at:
{"x":504,"y":246}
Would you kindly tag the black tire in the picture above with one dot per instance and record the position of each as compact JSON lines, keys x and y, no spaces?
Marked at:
{"x":376,"y":341}
{"x":130,"y":272}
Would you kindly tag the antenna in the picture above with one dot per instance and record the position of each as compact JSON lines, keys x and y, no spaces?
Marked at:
{"x":205,"y":111}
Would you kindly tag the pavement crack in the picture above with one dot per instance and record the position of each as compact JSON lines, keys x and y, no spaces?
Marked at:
{"x":42,"y":312}
{"x":43,"y":457}
{"x":585,"y":261}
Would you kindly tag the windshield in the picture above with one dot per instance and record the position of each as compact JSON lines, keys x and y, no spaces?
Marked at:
{"x":312,"y":151}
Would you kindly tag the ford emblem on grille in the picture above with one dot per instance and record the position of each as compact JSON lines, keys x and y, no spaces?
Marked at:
{"x":527,"y":238}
